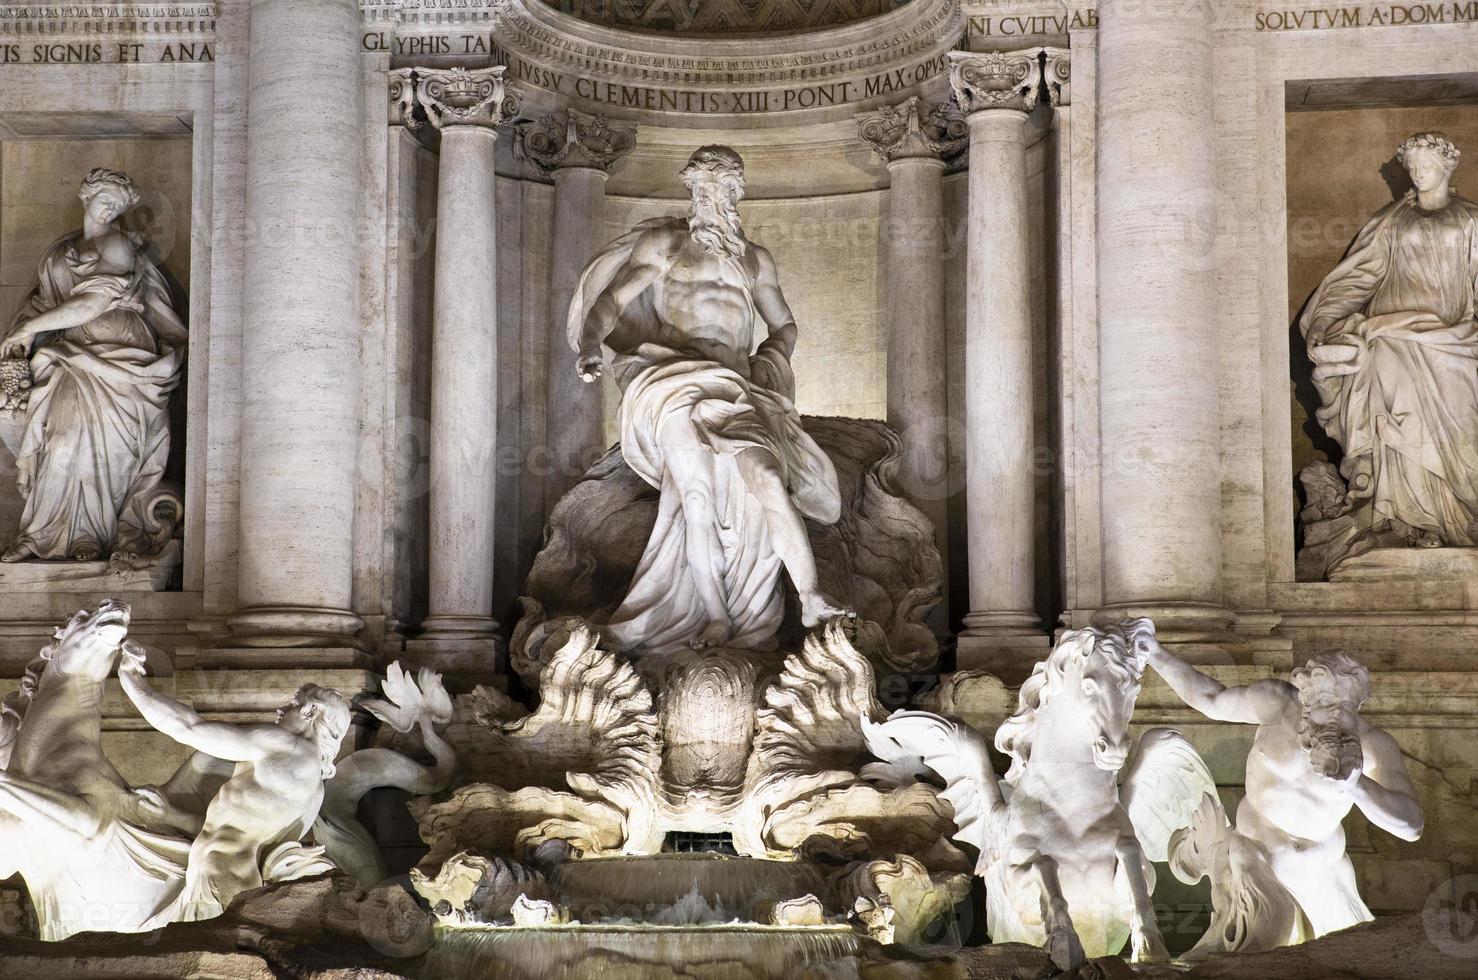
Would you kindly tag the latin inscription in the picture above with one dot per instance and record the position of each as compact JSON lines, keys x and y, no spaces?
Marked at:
{"x":1367,"y":15}
{"x":657,"y":99}
{"x":1311,"y":18}
{"x":105,"y":52}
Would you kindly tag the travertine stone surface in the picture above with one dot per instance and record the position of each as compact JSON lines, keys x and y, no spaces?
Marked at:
{"x":467,"y":108}
{"x":300,"y":324}
{"x":998,"y":90}
{"x":1157,"y":310}
{"x":915,"y":140}
{"x":578,"y":150}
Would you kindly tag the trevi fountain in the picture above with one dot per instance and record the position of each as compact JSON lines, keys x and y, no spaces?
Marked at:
{"x":716,"y":488}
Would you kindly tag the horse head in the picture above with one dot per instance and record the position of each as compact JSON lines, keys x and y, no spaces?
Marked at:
{"x":1092,"y":678}
{"x":87,"y":646}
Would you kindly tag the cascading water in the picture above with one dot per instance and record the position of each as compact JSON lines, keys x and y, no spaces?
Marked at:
{"x":640,"y":951}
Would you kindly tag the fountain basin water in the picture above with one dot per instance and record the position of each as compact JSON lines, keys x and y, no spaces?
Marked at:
{"x":639,"y":951}
{"x":685,"y":889}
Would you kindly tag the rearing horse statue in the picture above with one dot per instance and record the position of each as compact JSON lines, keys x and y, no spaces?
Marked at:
{"x":95,"y":853}
{"x":1065,"y":860}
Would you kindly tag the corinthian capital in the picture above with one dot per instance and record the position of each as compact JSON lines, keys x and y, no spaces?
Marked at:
{"x":569,"y":138}
{"x":995,"y":79}
{"x":912,"y":129}
{"x":447,"y":97}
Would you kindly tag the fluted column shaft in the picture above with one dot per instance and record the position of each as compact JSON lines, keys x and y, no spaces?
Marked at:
{"x":1157,"y":315}
{"x":300,"y":326}
{"x":998,"y":91}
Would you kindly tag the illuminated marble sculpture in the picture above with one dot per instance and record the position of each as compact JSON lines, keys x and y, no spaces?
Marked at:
{"x":1065,"y":849}
{"x":106,"y":349}
{"x":1313,"y":759}
{"x":677,"y":302}
{"x":1394,"y":343}
{"x":253,"y":828}
{"x":99,"y":855}
{"x":95,"y":853}
{"x":420,"y":704}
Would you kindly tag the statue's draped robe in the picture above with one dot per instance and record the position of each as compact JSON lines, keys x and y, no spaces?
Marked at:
{"x":96,"y":437}
{"x":1399,"y":379}
{"x":683,"y":421}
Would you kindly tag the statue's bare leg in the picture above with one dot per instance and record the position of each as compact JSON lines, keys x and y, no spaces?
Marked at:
{"x":761,"y":473}
{"x":1147,"y":945}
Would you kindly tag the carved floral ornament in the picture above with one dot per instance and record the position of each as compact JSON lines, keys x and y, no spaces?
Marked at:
{"x":912,"y":130}
{"x":570,"y":138}
{"x":1008,"y":79}
{"x":452,"y":97}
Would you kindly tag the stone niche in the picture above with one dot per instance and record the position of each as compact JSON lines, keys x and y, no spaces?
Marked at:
{"x":1341,"y":169}
{"x":43,"y":160}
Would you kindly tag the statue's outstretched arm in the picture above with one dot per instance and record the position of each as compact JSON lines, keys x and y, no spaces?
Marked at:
{"x":238,"y":743}
{"x":1384,"y":791}
{"x":74,"y":312}
{"x":1254,"y":704}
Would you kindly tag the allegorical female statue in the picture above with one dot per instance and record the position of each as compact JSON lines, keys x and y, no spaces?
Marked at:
{"x":1392,"y":335}
{"x":106,"y":349}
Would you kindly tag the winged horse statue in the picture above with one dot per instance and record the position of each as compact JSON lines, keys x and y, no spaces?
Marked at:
{"x":95,"y":852}
{"x":1065,"y":849}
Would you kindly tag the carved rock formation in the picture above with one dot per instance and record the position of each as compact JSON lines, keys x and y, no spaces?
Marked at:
{"x":880,"y":555}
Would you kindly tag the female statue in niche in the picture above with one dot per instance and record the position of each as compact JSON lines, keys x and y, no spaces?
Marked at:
{"x":1392,"y":335}
{"x":106,"y":349}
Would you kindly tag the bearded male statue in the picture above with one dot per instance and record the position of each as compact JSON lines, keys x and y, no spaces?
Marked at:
{"x":1312,"y":759}
{"x":707,"y":419}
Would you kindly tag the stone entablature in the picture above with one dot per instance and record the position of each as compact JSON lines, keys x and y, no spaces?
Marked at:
{"x":998,"y":23}
{"x":650,"y":77}
{"x":861,"y":64}
{"x":120,"y":33}
{"x":107,"y":18}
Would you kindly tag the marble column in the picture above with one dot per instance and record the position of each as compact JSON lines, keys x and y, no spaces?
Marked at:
{"x":466,"y":107}
{"x":300,"y":327}
{"x":576,"y":150}
{"x":1159,"y":410}
{"x":914,"y":140}
{"x":997,"y":91}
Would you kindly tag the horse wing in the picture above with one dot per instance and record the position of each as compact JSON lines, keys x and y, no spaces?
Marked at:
{"x":1161,"y":787}
{"x":955,"y":751}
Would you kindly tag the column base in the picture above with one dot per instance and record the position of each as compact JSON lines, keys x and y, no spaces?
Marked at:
{"x":1196,"y":632}
{"x":1007,"y":644}
{"x":464,"y":657}
{"x":293,"y":626}
{"x":1179,"y":621}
